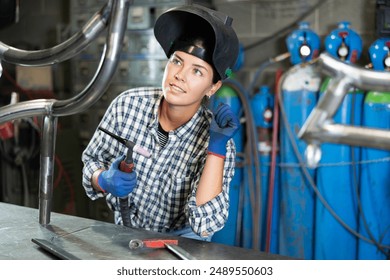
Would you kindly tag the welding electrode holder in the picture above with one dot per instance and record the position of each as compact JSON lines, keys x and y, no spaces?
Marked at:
{"x":126,"y":166}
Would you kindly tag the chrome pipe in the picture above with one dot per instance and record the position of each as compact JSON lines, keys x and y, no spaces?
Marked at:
{"x":49,"y":133}
{"x":63,"y":51}
{"x":326,"y":107}
{"x":319,"y":126}
{"x":94,"y":90}
{"x":364,"y":79}
{"x":106,"y":70}
{"x":354,"y":135}
{"x":51,"y":109}
{"x":31,"y":108}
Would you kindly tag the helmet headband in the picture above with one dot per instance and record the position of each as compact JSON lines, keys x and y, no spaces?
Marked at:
{"x":193,"y":48}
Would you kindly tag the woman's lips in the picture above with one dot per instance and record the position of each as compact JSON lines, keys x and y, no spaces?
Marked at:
{"x":177,"y":88}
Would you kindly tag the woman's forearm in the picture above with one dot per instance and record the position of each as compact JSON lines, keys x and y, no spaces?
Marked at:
{"x":210,"y":184}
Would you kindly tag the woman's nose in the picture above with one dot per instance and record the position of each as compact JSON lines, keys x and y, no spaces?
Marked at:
{"x":179,"y":75}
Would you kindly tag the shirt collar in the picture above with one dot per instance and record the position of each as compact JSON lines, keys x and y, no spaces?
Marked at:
{"x":154,"y":119}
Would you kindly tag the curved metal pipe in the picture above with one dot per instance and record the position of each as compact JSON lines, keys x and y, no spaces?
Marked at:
{"x":52,"y":108}
{"x":94,"y":89}
{"x":63,"y":51}
{"x":107,"y":66}
{"x":325,"y":109}
{"x":31,"y":108}
{"x":320,"y":127}
{"x":365,"y":79}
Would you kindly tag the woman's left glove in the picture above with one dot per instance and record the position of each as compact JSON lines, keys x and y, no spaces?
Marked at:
{"x":224,"y":125}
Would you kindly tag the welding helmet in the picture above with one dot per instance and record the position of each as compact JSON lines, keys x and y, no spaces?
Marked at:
{"x":380,"y":54}
{"x":344,"y":43}
{"x":303,"y":44}
{"x":201,"y":32}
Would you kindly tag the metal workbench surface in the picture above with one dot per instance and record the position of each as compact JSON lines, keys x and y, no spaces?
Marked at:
{"x":96,"y":240}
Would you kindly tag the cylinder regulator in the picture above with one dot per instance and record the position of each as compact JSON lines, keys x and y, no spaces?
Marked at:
{"x":379,"y":53}
{"x":303,"y":44}
{"x":344,"y":43}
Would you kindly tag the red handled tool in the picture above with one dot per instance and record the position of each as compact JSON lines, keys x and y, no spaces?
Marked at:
{"x":127,"y":166}
{"x":151,"y":243}
{"x":171,"y":244}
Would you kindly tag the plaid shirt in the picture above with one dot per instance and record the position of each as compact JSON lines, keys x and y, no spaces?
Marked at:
{"x":164,"y":198}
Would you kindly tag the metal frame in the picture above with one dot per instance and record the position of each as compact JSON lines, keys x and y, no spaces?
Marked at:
{"x":114,"y":16}
{"x":320,"y":126}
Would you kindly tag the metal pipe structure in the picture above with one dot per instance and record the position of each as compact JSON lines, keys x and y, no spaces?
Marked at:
{"x":115,"y":15}
{"x":320,"y":127}
{"x":47,"y":168}
{"x":64,"y":51}
{"x":107,"y":65}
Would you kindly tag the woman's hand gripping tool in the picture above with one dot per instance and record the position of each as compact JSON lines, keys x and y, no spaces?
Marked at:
{"x":127,"y":166}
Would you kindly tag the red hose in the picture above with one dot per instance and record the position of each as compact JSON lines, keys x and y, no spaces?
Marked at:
{"x":271,"y":186}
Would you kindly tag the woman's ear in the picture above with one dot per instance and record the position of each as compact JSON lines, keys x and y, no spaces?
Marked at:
{"x":214,"y":88}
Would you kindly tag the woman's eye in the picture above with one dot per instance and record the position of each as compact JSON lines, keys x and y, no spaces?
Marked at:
{"x":198,"y":72}
{"x":176,"y":61}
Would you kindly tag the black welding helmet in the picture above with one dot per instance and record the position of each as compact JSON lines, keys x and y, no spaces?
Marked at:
{"x":202,"y":32}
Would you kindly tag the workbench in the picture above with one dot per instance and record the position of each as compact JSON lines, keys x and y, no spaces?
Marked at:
{"x":96,"y":240}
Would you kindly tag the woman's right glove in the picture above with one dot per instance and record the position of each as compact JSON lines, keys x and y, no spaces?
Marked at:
{"x":117,"y":182}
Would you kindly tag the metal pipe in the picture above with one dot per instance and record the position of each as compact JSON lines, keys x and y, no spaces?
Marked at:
{"x":47,"y":168}
{"x":326,"y":107}
{"x":63,"y":51}
{"x":365,"y":79}
{"x":94,"y":90}
{"x":351,"y":135}
{"x":107,"y":66}
{"x":37,"y":107}
{"x":51,"y":109}
{"x":319,"y":126}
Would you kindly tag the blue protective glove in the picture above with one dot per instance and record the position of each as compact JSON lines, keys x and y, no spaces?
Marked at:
{"x":223,"y":126}
{"x":116,"y":182}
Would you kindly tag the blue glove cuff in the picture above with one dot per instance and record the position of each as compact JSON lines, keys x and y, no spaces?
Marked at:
{"x":101,"y":182}
{"x":217,"y":144}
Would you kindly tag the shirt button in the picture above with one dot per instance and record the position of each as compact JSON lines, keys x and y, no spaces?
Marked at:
{"x":147,"y":188}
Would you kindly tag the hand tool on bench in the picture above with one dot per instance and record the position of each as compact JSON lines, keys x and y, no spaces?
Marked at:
{"x":171,"y":244}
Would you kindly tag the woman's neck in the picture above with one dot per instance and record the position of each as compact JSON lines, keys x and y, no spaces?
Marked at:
{"x":172,"y":117}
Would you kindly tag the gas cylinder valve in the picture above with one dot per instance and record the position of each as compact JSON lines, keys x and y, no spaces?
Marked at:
{"x":268,"y":114}
{"x":303,"y":44}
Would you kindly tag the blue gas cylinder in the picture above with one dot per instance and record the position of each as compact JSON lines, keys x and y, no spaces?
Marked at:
{"x":228,"y":235}
{"x":375,"y":182}
{"x":338,"y":172}
{"x":299,"y":94}
{"x":337,"y":180}
{"x":374,"y":219}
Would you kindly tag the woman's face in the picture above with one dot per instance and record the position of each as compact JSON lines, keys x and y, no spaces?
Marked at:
{"x":187,"y":79}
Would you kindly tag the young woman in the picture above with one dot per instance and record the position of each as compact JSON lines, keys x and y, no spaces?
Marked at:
{"x":183,"y":187}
